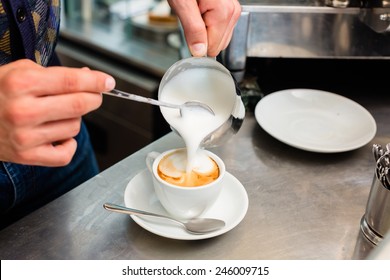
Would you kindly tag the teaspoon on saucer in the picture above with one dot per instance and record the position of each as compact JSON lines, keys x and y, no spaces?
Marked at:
{"x":192,"y":104}
{"x":195,"y":225}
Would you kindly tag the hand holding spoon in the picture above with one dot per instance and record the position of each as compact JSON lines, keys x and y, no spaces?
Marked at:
{"x":186,"y":105}
{"x":195,"y":225}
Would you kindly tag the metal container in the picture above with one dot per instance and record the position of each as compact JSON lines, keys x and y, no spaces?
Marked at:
{"x":375,"y":223}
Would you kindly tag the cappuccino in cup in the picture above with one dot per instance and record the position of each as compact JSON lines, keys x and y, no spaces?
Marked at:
{"x":186,"y":193}
{"x":172,"y":168}
{"x":188,"y":181}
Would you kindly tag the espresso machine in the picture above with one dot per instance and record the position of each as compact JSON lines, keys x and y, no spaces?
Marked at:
{"x":355,"y":29}
{"x":348,"y":37}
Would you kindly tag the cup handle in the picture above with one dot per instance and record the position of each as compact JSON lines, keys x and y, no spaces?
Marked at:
{"x":150,"y":158}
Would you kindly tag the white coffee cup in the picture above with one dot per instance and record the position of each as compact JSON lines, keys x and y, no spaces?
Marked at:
{"x":185,"y":202}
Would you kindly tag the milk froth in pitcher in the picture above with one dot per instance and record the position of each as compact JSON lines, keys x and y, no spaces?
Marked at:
{"x":208,"y":81}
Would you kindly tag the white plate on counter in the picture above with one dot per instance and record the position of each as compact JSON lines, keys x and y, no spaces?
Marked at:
{"x":315,"y":120}
{"x":231,"y":206}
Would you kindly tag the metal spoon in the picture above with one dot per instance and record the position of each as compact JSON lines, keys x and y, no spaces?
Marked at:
{"x":186,"y":105}
{"x":195,"y":225}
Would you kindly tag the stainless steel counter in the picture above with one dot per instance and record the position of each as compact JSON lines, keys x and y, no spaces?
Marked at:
{"x":302,"y":205}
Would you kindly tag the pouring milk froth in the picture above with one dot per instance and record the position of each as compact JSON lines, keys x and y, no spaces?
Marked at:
{"x":209,"y":86}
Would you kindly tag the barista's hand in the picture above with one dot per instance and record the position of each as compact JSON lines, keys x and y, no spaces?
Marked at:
{"x":41,"y":109}
{"x":208,"y":24}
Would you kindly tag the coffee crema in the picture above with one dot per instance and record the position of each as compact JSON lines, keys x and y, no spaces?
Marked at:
{"x":172,"y":169}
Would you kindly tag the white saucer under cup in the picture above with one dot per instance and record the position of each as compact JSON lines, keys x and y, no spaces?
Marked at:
{"x":139,"y":194}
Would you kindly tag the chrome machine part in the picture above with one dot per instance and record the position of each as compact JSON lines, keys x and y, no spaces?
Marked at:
{"x":346,"y":29}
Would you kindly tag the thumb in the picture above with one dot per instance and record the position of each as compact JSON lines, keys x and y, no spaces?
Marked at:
{"x":197,"y":49}
{"x":193,"y":26}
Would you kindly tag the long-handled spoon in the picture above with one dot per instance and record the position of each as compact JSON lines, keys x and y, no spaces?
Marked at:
{"x":195,"y":225}
{"x":186,"y":105}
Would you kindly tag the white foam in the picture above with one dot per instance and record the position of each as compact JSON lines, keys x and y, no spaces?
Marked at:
{"x":175,"y":164}
{"x":203,"y":163}
{"x":211,"y":87}
{"x":178,"y":160}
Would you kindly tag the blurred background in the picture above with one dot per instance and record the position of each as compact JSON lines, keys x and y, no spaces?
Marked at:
{"x":342,"y":46}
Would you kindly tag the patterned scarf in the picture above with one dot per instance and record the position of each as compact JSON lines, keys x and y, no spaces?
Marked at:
{"x":46,"y":18}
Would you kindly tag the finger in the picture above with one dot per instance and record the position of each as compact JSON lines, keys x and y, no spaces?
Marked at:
{"x":226,"y":40}
{"x":68,"y":80}
{"x":34,"y":111}
{"x":67,"y":106}
{"x":216,"y":45}
{"x":52,"y":132}
{"x":193,"y":25}
{"x":220,"y":22}
{"x":49,"y":155}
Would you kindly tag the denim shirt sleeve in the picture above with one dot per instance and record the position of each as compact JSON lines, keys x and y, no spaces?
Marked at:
{"x":20,"y":11}
{"x":37,"y":22}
